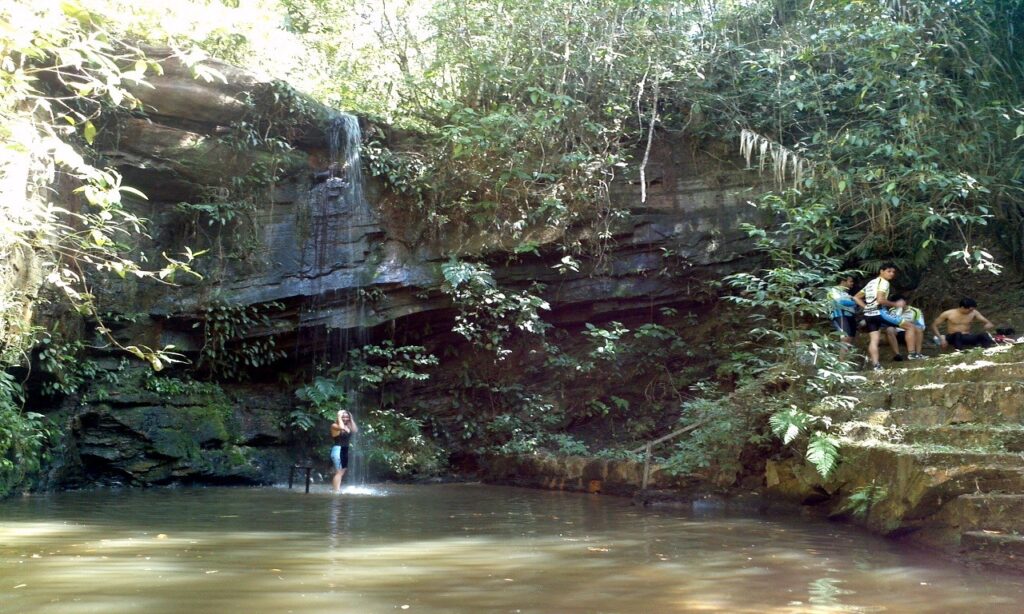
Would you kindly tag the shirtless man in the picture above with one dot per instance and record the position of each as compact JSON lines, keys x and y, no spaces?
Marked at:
{"x":958,"y":326}
{"x":872,"y":298}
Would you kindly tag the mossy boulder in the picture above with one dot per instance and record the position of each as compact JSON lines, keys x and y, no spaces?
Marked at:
{"x":147,"y":431}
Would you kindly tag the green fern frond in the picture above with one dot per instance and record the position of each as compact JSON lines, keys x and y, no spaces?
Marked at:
{"x":789,"y":424}
{"x":823,"y":453}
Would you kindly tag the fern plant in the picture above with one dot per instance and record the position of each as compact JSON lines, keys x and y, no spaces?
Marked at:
{"x":862,"y":499}
{"x":822,"y":450}
{"x":323,"y":398}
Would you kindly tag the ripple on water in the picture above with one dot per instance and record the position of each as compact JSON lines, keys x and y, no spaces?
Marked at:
{"x":365,"y":491}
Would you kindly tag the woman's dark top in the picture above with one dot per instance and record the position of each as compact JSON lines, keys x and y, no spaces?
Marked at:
{"x":342,"y":439}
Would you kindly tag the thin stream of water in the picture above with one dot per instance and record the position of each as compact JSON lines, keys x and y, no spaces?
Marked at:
{"x":339,"y":211}
{"x":452,"y":548}
{"x":346,"y":142}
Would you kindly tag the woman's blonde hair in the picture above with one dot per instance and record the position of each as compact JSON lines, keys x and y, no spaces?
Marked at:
{"x":351,"y":419}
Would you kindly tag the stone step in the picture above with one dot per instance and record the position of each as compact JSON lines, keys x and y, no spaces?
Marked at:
{"x":875,"y":397}
{"x":937,"y":455}
{"x":1000,"y":400}
{"x":937,"y":415}
{"x":1001,"y":362}
{"x":918,"y":482}
{"x":975,"y":437}
{"x":955,"y":478}
{"x":979,"y":371}
{"x":994,"y":547}
{"x":959,"y":458}
{"x":1005,"y":397}
{"x":988,"y":511}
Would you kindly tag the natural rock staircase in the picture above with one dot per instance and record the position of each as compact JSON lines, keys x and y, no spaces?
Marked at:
{"x":935,"y":453}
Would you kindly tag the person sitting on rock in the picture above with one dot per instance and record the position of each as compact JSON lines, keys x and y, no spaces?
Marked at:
{"x":892,"y":317}
{"x":958,"y":326}
{"x":907,"y":325}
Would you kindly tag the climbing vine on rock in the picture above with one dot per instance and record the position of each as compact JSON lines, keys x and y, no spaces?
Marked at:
{"x":488,"y":315}
{"x":237,"y":338}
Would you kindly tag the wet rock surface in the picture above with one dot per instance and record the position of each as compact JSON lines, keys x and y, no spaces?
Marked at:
{"x":311,"y":249}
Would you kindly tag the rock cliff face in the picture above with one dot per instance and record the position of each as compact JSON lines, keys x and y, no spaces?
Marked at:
{"x":308,"y":242}
{"x":308,"y":254}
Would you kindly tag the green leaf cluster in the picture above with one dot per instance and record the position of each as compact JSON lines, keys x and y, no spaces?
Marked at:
{"x":488,"y":315}
{"x":237,"y":338}
{"x":23,"y":437}
{"x":397,"y":445}
{"x":63,"y":72}
{"x":892,"y":123}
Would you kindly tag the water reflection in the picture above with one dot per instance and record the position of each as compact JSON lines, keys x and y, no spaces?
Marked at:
{"x":450,"y":548}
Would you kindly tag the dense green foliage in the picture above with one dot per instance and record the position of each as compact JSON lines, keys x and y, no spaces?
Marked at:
{"x":22,"y":435}
{"x":530,"y":109}
{"x":896,"y":123}
{"x":62,"y":214}
{"x":903,"y":118}
{"x":397,"y":445}
{"x":488,"y":315}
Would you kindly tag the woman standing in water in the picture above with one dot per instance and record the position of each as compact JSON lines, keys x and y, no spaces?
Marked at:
{"x":342,"y":432}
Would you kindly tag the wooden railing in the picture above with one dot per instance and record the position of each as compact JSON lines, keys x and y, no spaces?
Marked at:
{"x":649,"y":446}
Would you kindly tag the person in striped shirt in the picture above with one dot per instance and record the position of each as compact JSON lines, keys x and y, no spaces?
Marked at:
{"x":872,"y":299}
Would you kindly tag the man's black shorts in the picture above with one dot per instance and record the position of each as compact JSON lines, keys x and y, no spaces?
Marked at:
{"x":874,"y":323}
{"x":845,"y":325}
{"x":966,"y":340}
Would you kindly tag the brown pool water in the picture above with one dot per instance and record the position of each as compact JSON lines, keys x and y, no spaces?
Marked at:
{"x":453,"y":548}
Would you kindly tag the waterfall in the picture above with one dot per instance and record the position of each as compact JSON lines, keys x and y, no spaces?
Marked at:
{"x":338,"y":215}
{"x":349,"y":170}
